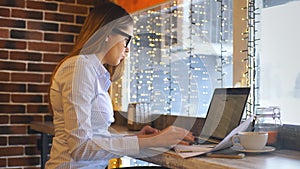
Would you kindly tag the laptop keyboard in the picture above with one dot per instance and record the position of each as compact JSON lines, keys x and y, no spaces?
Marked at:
{"x":200,"y":140}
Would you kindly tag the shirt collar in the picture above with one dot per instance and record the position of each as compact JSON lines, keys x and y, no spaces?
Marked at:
{"x":103,"y":73}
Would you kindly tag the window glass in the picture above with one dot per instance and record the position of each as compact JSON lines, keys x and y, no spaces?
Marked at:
{"x":180,"y":52}
{"x":178,"y":57}
{"x":279,"y":73}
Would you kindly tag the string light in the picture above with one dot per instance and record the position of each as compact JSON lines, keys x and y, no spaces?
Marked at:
{"x":251,"y":37}
{"x":179,"y":54}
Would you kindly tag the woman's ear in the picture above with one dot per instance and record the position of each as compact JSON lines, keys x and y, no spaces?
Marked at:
{"x":107,"y":38}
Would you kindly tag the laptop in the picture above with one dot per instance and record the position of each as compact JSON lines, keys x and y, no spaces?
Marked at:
{"x":224,"y":114}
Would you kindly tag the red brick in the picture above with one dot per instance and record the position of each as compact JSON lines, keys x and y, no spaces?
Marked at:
{"x":59,"y":37}
{"x":26,"y":98}
{"x":2,"y":162}
{"x":42,"y":5}
{"x":80,"y":19}
{"x":28,"y":56}
{"x":66,"y":48}
{"x":10,"y":3}
{"x":12,"y":109}
{"x":12,"y":23}
{"x":18,"y":34}
{"x":22,"y":140}
{"x":31,"y":150}
{"x":70,"y":28}
{"x":4,"y":33}
{"x":18,"y":13}
{"x":4,"y":76}
{"x":39,"y":88}
{"x":43,"y":26}
{"x":47,"y":78}
{"x":11,"y":151}
{"x":11,"y":44}
{"x":24,"y":119}
{"x":26,"y":77}
{"x":73,"y":9}
{"x":3,"y":54}
{"x":3,"y":140}
{"x":46,"y":99}
{"x":23,"y":161}
{"x":6,"y":87}
{"x":4,"y":12}
{"x":4,"y":119}
{"x":50,"y":57}
{"x":4,"y":97}
{"x":40,"y":46}
{"x":41,"y":67}
{"x":59,"y":17}
{"x":86,"y":2}
{"x":12,"y":130}
{"x":12,"y":66}
{"x":38,"y":108}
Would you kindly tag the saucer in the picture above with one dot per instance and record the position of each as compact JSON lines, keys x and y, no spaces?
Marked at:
{"x":264,"y":150}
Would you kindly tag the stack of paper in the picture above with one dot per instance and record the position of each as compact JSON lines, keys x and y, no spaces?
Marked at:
{"x":194,"y":150}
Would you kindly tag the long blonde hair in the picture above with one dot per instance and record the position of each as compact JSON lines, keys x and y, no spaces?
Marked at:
{"x":98,"y":25}
{"x":100,"y":22}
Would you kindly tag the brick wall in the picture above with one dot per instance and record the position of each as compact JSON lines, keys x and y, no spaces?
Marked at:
{"x":34,"y":36}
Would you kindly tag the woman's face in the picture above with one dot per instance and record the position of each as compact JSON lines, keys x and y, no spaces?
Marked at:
{"x":118,"y":40}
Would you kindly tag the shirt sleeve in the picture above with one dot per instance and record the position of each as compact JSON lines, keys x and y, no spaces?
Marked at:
{"x":78,"y":85}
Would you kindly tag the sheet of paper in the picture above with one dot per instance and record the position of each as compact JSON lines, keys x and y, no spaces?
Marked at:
{"x":191,"y":154}
{"x":194,"y":150}
{"x":186,"y":151}
{"x":226,"y":142}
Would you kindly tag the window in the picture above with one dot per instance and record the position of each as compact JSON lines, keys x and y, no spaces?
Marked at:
{"x":183,"y":50}
{"x":279,"y":74}
{"x":179,"y":54}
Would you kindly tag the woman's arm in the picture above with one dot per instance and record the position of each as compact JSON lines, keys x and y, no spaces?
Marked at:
{"x":172,"y":135}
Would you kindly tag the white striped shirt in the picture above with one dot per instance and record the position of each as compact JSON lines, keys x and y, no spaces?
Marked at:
{"x":82,"y":115}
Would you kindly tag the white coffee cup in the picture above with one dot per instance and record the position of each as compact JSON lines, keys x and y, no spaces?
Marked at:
{"x":250,"y":140}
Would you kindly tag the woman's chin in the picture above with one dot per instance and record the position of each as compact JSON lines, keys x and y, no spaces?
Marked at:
{"x":117,"y":63}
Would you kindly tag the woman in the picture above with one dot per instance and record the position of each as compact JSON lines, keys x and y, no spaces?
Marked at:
{"x":79,"y":99}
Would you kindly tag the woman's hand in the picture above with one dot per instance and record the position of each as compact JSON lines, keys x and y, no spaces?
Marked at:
{"x":173,"y":135}
{"x":148,"y":130}
{"x":170,"y":136}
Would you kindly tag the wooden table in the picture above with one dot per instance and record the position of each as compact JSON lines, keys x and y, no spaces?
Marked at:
{"x":279,"y":159}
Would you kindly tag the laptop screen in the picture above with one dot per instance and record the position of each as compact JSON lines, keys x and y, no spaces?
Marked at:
{"x":225,"y":112}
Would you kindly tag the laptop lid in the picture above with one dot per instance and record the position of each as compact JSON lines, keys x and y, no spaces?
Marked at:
{"x":224,"y":113}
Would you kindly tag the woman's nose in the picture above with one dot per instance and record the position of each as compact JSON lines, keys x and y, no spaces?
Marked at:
{"x":126,"y":50}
